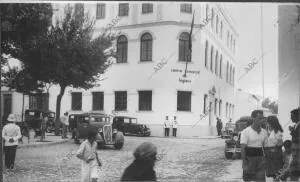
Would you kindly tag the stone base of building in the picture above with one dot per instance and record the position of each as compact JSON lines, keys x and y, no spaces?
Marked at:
{"x":184,"y":131}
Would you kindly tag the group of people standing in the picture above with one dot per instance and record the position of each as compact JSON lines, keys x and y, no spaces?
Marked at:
{"x":170,"y":124}
{"x":261,"y":149}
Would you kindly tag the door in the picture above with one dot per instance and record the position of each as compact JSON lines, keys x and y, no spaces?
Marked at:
{"x":7,"y":105}
{"x":127,"y":125}
{"x":83,"y":126}
{"x":210,"y":113}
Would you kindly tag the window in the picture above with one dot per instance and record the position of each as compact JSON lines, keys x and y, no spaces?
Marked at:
{"x":216,"y":106}
{"x":123,"y":9}
{"x":120,"y":100}
{"x":217,"y":24}
{"x":122,"y":49}
{"x":145,"y":100}
{"x":206,"y":54}
{"x":221,"y":30}
{"x":230,"y":74}
{"x":229,"y":113}
{"x":76,"y":101}
{"x":231,"y":42}
{"x":233,"y":76}
{"x":220,"y":108}
{"x":234,"y":45}
{"x":184,"y":101}
{"x":212,"y":18}
{"x":147,"y":8}
{"x":186,"y":8}
{"x":211,"y":58}
{"x":221,"y":60}
{"x":184,"y":52}
{"x":98,"y":99}
{"x":227,"y":38}
{"x":227,"y":69}
{"x":226,"y":109}
{"x":216,"y":63}
{"x":205,"y":103}
{"x":100,"y":12}
{"x":146,"y":47}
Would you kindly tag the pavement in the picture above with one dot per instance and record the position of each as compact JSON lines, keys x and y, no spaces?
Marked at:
{"x":50,"y":139}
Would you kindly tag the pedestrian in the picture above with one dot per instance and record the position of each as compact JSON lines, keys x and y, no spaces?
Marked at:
{"x":174,"y":126}
{"x":90,"y":164}
{"x":295,"y":132}
{"x":142,"y":168}
{"x":65,"y":124}
{"x":219,"y":126}
{"x":43,"y":128}
{"x":273,"y":148}
{"x":283,"y":173}
{"x":167,"y":126}
{"x":252,"y":140}
{"x":11,"y":134}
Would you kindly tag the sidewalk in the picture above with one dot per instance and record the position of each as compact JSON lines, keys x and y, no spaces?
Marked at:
{"x":50,"y":139}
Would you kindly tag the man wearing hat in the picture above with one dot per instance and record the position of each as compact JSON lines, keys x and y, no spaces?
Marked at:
{"x":142,"y":168}
{"x":11,"y":134}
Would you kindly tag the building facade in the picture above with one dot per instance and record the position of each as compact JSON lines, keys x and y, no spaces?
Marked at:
{"x":288,"y":62}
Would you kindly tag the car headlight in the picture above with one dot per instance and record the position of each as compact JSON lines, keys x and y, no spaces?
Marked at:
{"x":100,"y":130}
{"x":235,"y":138}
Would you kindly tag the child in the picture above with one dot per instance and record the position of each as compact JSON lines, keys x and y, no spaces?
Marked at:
{"x":283,"y":173}
{"x":87,"y":153}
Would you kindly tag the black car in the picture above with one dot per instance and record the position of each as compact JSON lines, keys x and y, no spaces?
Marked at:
{"x":130,"y":125}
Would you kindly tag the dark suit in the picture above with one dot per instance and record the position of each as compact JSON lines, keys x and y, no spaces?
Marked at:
{"x":139,"y":171}
{"x":295,"y":164}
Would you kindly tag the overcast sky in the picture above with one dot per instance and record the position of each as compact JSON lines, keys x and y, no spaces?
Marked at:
{"x":247,"y":17}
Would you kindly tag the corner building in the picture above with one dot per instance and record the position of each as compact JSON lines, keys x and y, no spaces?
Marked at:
{"x":147,"y":81}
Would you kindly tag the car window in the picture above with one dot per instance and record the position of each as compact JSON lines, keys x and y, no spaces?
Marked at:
{"x":134,"y":120}
{"x":31,"y":113}
{"x":51,"y":115}
{"x":127,"y":120}
{"x":72,"y":117}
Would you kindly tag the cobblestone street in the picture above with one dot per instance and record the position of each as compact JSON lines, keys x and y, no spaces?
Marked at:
{"x":183,"y":160}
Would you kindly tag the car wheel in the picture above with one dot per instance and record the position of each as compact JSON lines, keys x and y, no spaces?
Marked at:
{"x":48,"y":129}
{"x":119,"y":142}
{"x":100,"y":145}
{"x":228,"y":155}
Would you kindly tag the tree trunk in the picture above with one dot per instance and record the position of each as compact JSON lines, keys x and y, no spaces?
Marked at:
{"x":58,"y":104}
{"x":22,"y":115}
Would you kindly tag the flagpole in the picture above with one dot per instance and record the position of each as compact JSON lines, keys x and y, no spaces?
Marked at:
{"x":262,"y":51}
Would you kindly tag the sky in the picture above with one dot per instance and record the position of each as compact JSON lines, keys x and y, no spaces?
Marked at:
{"x":247,"y":17}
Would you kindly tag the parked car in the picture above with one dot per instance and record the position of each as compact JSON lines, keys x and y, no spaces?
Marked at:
{"x":100,"y":122}
{"x":33,"y":119}
{"x":232,"y":145}
{"x":130,"y":125}
{"x":227,"y":130}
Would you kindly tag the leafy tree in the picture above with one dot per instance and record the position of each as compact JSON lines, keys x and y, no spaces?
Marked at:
{"x":272,"y":105}
{"x":69,"y":55}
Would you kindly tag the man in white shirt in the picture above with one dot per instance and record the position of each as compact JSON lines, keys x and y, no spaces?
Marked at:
{"x":253,"y":139}
{"x":174,"y":126}
{"x":65,"y":124}
{"x":167,"y":126}
{"x":11,"y":134}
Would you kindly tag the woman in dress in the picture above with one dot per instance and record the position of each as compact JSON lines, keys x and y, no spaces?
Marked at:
{"x":273,"y":148}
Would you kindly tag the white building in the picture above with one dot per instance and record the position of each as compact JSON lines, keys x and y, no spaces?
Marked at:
{"x":289,"y":63}
{"x":153,"y":33}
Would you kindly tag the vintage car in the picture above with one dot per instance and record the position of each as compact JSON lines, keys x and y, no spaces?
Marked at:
{"x":228,"y":130}
{"x":232,"y":145}
{"x":101,"y":123}
{"x":130,"y":125}
{"x":33,"y":119}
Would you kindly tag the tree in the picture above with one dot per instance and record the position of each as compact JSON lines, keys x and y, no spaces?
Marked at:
{"x":272,"y":105}
{"x":69,"y":55}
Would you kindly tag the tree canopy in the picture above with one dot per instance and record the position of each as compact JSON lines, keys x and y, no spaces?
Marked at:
{"x":272,"y":105}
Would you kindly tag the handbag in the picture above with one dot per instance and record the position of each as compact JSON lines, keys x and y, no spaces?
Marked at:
{"x":98,"y":160}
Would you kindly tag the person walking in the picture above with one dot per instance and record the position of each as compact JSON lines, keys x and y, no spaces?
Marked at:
{"x":219,"y":126}
{"x":174,"y":126}
{"x":253,"y":138}
{"x":142,"y":168}
{"x":90,"y":164}
{"x":295,"y":159}
{"x":273,"y":148}
{"x":167,"y":126}
{"x":65,"y":124}
{"x":11,"y":133}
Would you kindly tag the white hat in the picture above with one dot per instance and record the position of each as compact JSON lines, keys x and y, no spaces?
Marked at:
{"x":12,"y":118}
